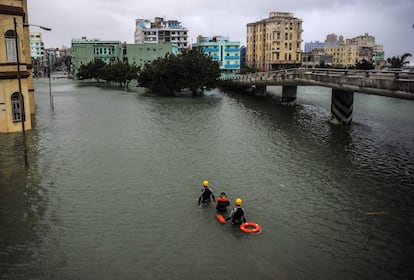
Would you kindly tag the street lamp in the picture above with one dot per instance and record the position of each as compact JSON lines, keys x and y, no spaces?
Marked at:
{"x":50,"y":84}
{"x":21,"y":97}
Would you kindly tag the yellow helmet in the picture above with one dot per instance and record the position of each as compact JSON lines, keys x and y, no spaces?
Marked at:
{"x":205,"y":183}
{"x":239,"y":201}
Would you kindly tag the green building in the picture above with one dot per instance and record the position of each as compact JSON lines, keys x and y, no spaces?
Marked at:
{"x":86,"y":50}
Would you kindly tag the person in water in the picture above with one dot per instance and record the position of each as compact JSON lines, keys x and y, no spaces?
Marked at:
{"x":206,"y":195}
{"x":237,"y":214}
{"x":222,"y":203}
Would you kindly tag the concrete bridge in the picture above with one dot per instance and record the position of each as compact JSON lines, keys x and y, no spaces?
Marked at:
{"x":343,"y":83}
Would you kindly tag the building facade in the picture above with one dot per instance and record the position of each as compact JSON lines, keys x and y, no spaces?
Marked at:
{"x":161,"y":31}
{"x":86,"y":50}
{"x":309,"y":46}
{"x":222,"y":50}
{"x":16,"y":82}
{"x":37,"y":52}
{"x":378,"y":56}
{"x":346,"y":53}
{"x":316,"y":58}
{"x":275,"y":42}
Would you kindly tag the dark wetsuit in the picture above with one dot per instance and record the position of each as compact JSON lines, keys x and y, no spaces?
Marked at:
{"x":222,"y":203}
{"x":206,"y":197}
{"x":237,"y":215}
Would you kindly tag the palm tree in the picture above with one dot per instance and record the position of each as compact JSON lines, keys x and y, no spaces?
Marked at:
{"x":397,"y":62}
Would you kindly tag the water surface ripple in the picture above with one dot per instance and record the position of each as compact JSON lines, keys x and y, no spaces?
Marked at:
{"x":110,"y":190}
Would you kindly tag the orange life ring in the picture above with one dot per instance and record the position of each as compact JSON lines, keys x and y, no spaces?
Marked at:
{"x":221,"y":219}
{"x":250,"y":227}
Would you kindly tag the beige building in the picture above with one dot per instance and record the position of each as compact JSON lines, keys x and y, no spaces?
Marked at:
{"x":275,"y":42}
{"x":343,"y":55}
{"x":347,"y":53}
{"x":15,"y":109}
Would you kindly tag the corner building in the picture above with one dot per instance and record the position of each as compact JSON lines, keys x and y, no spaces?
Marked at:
{"x":16,"y":84}
{"x":275,"y":42}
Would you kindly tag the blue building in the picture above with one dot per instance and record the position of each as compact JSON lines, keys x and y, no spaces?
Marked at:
{"x":242,"y":56}
{"x":222,"y":50}
{"x":313,"y":45}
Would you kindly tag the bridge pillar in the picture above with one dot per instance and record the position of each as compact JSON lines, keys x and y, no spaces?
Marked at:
{"x":258,"y":90}
{"x":289,"y":95}
{"x":341,"y":106}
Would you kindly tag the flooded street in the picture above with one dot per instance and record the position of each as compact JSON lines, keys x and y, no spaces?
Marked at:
{"x":113,"y":177}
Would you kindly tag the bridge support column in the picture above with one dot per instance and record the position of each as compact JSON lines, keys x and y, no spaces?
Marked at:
{"x":341,"y":106}
{"x":289,"y":95}
{"x":258,"y":90}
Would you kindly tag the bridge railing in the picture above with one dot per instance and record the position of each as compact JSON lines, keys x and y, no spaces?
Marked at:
{"x":390,"y":83}
{"x":297,"y":72}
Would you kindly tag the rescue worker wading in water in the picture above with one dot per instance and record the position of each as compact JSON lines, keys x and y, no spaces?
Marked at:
{"x":206,"y":196}
{"x":237,"y":214}
{"x":222,"y":203}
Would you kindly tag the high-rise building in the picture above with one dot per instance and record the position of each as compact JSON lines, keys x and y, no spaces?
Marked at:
{"x":222,"y":50}
{"x":161,"y":31}
{"x":274,"y":42}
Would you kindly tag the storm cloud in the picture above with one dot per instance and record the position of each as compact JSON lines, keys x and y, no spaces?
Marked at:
{"x":390,"y":22}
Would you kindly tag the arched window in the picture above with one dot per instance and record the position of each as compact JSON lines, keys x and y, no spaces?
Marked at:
{"x":10,"y":38}
{"x":16,"y":105}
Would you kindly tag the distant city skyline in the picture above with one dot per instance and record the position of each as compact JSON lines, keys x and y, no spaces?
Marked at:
{"x":390,"y":22}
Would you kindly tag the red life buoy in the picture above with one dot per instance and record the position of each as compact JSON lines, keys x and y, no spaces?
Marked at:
{"x":250,"y":227}
{"x":221,"y":219}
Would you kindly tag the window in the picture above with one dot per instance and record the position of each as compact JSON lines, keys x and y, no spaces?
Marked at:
{"x":17,"y":117}
{"x":11,"y":46}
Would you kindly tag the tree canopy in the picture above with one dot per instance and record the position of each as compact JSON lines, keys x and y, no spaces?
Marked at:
{"x":397,"y":61}
{"x":364,"y":65}
{"x":192,"y":70}
{"x":118,"y":72}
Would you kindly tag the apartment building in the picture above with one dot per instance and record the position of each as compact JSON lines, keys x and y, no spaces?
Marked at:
{"x":347,"y":52}
{"x":16,"y":82}
{"x":37,"y":46}
{"x":342,"y":55}
{"x":222,"y":50}
{"x":161,"y":31}
{"x":275,"y":42}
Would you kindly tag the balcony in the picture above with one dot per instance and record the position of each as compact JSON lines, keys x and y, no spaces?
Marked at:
{"x":232,"y":57}
{"x":232,"y":66}
{"x":211,"y":49}
{"x":232,"y":49}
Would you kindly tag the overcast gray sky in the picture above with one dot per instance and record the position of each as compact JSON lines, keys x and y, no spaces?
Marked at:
{"x":389,"y":21}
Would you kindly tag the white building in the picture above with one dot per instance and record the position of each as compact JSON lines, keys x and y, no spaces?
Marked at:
{"x":161,"y":31}
{"x":37,"y":46}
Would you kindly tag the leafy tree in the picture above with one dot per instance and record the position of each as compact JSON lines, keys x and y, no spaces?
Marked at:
{"x":119,"y":72}
{"x":364,"y":65}
{"x":190,"y":70}
{"x":83,"y":72}
{"x":92,"y":70}
{"x":398,"y":62}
